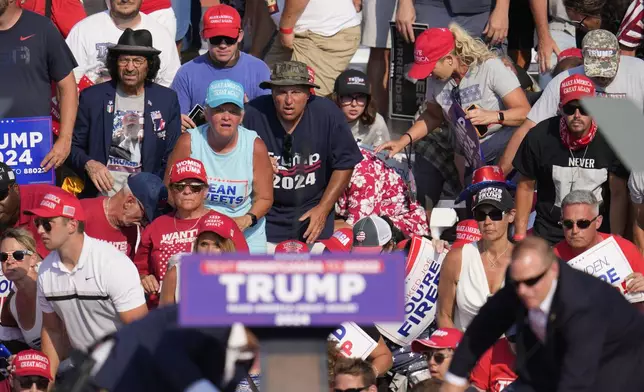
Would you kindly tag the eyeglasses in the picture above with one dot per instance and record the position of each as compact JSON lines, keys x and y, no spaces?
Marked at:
{"x":495,"y":215}
{"x":194,"y":186}
{"x":439,"y":358}
{"x":581,"y":223}
{"x":27,"y":381}
{"x":579,"y":24}
{"x":360,"y":99}
{"x":228,"y":41}
{"x":351,"y":389}
{"x":287,"y":150}
{"x":17,"y":255}
{"x":570,"y":109}
{"x":44,"y":222}
{"x":136,"y":61}
{"x":235,"y":110}
{"x":530,"y":281}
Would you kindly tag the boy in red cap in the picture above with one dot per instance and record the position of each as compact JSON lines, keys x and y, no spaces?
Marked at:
{"x":565,"y":153}
{"x":31,"y":371}
{"x":438,"y":350}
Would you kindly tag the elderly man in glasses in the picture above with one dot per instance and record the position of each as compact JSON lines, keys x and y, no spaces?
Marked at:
{"x":438,"y":350}
{"x":565,"y":153}
{"x":581,"y":221}
{"x":574,"y":331}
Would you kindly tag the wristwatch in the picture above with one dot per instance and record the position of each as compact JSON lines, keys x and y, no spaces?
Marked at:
{"x":501,"y":117}
{"x":253,"y":219}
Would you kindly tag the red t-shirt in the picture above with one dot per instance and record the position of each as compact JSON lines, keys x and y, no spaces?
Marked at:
{"x":64,"y":13}
{"x":154,"y":5}
{"x":97,"y":226}
{"x":633,"y":255}
{"x":493,"y":372}
{"x":30,"y":197}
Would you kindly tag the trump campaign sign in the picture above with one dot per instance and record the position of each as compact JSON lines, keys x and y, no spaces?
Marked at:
{"x":353,"y":341}
{"x":421,"y":291}
{"x":24,"y":143}
{"x":291,"y":289}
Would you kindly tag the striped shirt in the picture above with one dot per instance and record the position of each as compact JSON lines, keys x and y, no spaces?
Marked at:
{"x":631,"y":30}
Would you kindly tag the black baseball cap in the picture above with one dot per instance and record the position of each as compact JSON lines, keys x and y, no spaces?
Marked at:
{"x":7,"y":176}
{"x":351,"y":82}
{"x":495,"y":196}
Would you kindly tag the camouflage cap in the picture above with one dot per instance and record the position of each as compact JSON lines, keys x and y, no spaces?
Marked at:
{"x":601,"y":54}
{"x":288,"y":73}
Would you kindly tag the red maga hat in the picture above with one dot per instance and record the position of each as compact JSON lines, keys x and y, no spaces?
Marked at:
{"x":431,"y":45}
{"x":56,"y":203}
{"x":441,"y":338}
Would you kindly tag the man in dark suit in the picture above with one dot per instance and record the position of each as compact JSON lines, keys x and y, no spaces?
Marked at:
{"x":127,"y":125}
{"x":574,"y":332}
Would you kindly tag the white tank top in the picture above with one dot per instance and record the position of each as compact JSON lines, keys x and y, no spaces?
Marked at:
{"x":32,"y":336}
{"x":472,"y":290}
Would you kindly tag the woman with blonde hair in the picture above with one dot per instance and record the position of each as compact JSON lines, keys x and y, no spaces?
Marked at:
{"x":21,"y":315}
{"x":463,"y":72}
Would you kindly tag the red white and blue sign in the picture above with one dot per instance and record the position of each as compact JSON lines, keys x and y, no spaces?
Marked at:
{"x":24,"y":143}
{"x":291,"y":289}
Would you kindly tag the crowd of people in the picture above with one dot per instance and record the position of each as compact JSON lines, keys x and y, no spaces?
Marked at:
{"x":269,"y":141}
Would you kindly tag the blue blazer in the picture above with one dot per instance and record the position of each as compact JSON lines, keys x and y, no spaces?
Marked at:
{"x":95,"y":123}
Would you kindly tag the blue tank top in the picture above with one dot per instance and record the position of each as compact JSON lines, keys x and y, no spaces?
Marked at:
{"x":230,"y":179}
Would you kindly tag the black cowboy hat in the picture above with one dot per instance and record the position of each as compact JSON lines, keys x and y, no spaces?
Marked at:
{"x":135,"y":42}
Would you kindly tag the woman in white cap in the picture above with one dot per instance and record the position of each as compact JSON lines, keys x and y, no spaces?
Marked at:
{"x":239,"y":171}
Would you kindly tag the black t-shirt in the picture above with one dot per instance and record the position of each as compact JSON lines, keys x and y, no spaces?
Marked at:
{"x":558,"y":170}
{"x":321,"y":143}
{"x":32,"y":55}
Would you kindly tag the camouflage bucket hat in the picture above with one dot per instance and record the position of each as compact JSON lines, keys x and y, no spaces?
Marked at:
{"x":288,"y":73}
{"x":601,"y":54}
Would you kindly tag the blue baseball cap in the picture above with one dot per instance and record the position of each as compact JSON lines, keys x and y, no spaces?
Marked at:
{"x":225,"y":91}
{"x":150,"y":191}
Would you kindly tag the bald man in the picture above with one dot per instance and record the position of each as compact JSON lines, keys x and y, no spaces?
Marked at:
{"x":574,"y":332}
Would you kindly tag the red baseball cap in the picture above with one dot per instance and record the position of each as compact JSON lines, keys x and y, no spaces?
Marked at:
{"x":291,"y":246}
{"x":32,"y":363}
{"x":576,"y":87}
{"x":467,"y":231}
{"x":484,"y":177}
{"x":221,"y":20}
{"x":188,"y":168}
{"x":441,"y":338}
{"x":225,"y":227}
{"x":340,"y":241}
{"x":431,"y":45}
{"x":570,"y":53}
{"x":59,"y":203}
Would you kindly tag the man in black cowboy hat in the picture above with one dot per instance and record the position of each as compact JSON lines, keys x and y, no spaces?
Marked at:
{"x":310,"y":141}
{"x":127,"y":125}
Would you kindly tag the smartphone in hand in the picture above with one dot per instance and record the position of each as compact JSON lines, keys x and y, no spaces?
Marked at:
{"x":198,"y":115}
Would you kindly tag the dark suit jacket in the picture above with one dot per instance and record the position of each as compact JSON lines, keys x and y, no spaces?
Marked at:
{"x":595,"y":338}
{"x":95,"y":124}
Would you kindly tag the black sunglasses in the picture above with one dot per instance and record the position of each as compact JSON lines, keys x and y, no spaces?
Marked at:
{"x":495,"y":215}
{"x":439,"y":358}
{"x":530,"y":281}
{"x":569,"y":109}
{"x":287,"y":150}
{"x":44,"y":222}
{"x":227,"y":40}
{"x":194,"y":186}
{"x":581,"y":223}
{"x":351,"y":389}
{"x":27,"y":381}
{"x":17,"y":255}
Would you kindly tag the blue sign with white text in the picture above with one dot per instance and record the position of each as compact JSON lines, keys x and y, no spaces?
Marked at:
{"x":24,"y":143}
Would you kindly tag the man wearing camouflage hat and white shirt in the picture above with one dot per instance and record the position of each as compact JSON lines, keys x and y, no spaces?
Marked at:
{"x":615,"y":76}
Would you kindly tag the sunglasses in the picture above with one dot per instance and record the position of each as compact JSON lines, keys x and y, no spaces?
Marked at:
{"x":235,"y":111}
{"x":495,"y":215}
{"x":44,"y":222}
{"x":27,"y":381}
{"x":287,"y":150}
{"x":17,"y":255}
{"x":570,"y":109}
{"x":216,"y":41}
{"x":579,"y":24}
{"x":530,"y":281}
{"x":439,"y":358}
{"x":351,"y":389}
{"x":581,"y":223}
{"x":194,"y":186}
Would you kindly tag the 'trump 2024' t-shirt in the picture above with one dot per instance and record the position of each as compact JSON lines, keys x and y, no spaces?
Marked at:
{"x":558,"y":171}
{"x":321,"y":143}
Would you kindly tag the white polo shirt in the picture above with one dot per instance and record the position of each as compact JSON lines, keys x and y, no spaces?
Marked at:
{"x":90,"y":297}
